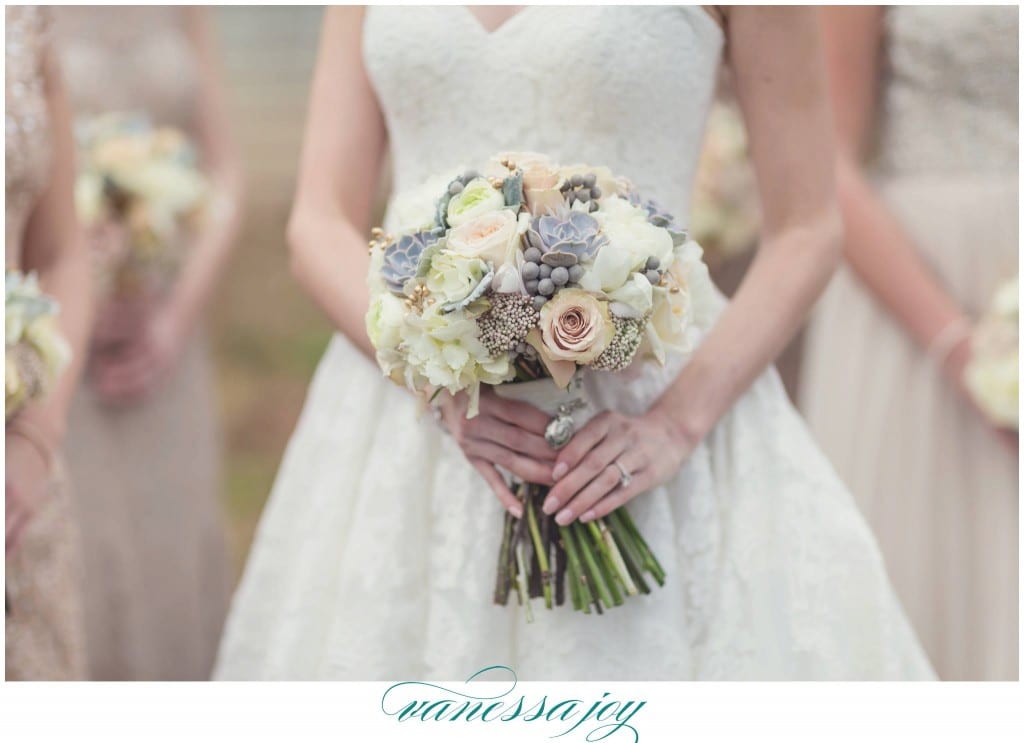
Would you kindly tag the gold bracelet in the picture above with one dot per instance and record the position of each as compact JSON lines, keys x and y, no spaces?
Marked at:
{"x":32,"y":435}
{"x":943,"y":343}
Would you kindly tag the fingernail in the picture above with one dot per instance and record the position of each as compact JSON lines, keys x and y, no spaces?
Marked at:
{"x":517,"y":512}
{"x":588,"y":516}
{"x":550,"y":506}
{"x":564,"y":517}
{"x":559,"y":471}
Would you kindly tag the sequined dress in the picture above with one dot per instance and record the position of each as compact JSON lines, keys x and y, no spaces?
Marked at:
{"x":44,"y":637}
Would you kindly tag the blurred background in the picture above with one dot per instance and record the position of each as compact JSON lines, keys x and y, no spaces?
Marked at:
{"x":266,"y":335}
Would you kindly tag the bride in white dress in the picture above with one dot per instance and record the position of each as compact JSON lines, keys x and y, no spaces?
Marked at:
{"x":376,"y":555}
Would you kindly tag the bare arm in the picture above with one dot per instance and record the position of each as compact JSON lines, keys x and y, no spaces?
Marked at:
{"x":775,"y":55}
{"x":341,"y":160}
{"x":776,"y":58}
{"x":877,"y":247}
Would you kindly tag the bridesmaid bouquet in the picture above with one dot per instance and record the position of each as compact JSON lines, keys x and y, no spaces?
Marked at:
{"x":35,"y":351}
{"x":992,"y":375}
{"x":139,"y":187}
{"x":523,"y":275}
{"x":726,"y":213}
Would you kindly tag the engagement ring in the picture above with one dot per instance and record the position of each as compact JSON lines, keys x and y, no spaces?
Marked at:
{"x":626,"y":478}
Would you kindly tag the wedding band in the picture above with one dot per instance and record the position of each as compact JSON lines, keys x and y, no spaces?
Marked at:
{"x":626,"y":478}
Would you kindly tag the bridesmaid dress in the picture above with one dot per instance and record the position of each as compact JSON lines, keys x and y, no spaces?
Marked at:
{"x":44,"y":637}
{"x":936,"y":485}
{"x":156,"y":564}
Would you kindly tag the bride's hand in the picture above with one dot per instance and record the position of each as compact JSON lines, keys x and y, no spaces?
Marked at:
{"x":589,"y":482}
{"x":506,"y":433}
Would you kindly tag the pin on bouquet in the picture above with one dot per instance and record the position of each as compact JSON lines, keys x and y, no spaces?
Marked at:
{"x":528,"y":276}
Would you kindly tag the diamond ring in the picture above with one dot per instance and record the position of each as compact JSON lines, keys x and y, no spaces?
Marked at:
{"x":626,"y":477}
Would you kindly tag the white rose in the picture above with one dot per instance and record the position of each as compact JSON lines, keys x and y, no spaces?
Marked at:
{"x":493,"y":237}
{"x":384,"y":321}
{"x":684,"y":308}
{"x":634,"y":299}
{"x":631,"y":241}
{"x":477,"y":198}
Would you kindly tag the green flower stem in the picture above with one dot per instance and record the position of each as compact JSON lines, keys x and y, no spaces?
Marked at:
{"x":603,"y":560}
{"x":650,"y":561}
{"x":575,"y":564}
{"x":520,"y":582}
{"x":593,"y":568}
{"x":540,"y":551}
{"x":614,"y":555}
{"x":627,"y":547}
{"x":504,"y":583}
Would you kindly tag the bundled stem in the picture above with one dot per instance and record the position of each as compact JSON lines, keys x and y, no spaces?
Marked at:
{"x":603,"y":562}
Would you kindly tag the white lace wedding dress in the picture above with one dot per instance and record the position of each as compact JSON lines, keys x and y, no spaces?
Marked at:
{"x":377,"y":553}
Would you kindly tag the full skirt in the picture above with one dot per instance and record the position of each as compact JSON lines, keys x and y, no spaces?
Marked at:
{"x":376,"y":556}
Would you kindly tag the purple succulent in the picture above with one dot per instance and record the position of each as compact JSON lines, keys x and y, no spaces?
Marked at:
{"x":566,"y":238}
{"x":656,"y":214}
{"x":402,"y":258}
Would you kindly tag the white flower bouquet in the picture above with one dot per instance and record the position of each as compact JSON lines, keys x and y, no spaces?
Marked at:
{"x":145,"y":181}
{"x":35,"y":351}
{"x":726,"y":211}
{"x":523,"y":275}
{"x":993,"y":374}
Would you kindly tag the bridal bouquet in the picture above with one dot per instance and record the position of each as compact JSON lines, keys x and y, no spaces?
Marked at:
{"x":35,"y":351}
{"x":992,"y":375}
{"x":523,"y":275}
{"x":145,"y":181}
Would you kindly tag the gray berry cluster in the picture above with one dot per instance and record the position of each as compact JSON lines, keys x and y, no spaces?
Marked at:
{"x":653,"y":270}
{"x":542,"y":280}
{"x":582,"y":188}
{"x":629,"y":332}
{"x":503,"y":328}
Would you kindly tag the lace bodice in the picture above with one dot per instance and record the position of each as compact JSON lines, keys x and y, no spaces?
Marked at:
{"x":27,"y":125}
{"x":138,"y":58}
{"x":626,"y":87}
{"x":948,"y":103}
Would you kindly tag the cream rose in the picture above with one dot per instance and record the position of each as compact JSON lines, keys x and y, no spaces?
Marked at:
{"x":492,"y":237}
{"x":476,"y":198}
{"x":575,"y":326}
{"x":683,"y":310}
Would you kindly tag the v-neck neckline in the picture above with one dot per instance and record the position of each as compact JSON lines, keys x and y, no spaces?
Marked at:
{"x":511,"y":20}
